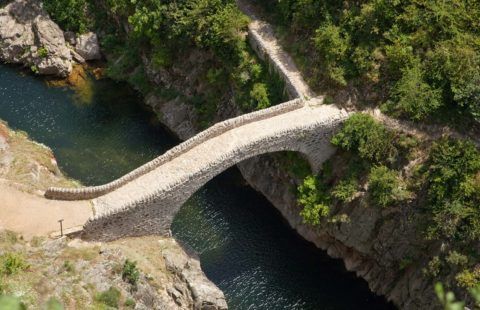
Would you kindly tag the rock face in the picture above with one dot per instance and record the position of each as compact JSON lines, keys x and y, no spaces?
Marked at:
{"x":28,"y":36}
{"x":204,"y":294}
{"x":87,"y":46}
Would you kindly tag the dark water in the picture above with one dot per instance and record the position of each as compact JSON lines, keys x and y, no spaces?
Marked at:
{"x":244,"y":245}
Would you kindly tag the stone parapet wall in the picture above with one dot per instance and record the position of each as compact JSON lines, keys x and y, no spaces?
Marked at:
{"x":215,"y":130}
{"x":264,"y":43}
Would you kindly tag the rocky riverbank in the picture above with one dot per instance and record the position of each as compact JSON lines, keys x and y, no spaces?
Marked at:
{"x":30,"y":38}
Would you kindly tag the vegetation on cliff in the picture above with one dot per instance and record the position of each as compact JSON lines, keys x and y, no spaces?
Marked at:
{"x":422,"y":58}
{"x":434,"y":184}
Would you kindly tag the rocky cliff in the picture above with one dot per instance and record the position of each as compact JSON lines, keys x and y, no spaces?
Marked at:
{"x":29,"y":37}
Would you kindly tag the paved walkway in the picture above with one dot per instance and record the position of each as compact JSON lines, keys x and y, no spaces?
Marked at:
{"x":31,"y":215}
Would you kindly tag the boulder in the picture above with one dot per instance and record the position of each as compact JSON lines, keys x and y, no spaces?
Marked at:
{"x":88,"y":47}
{"x":28,"y":36}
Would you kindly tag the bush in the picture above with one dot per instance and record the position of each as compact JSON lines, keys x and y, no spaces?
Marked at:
{"x":12,"y":263}
{"x":130,"y":303}
{"x":345,"y":189}
{"x":69,"y":14}
{"x":370,"y":139}
{"x":42,"y":52}
{"x":311,"y":195}
{"x":412,"y":96}
{"x":468,"y":278}
{"x":109,"y":297}
{"x":456,"y":259}
{"x":130,"y":272}
{"x":452,"y":182}
{"x":259,"y":95}
{"x":385,"y":186}
{"x":332,"y":44}
{"x":11,"y":303}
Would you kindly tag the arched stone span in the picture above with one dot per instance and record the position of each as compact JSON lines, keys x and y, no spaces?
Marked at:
{"x":148,"y":204}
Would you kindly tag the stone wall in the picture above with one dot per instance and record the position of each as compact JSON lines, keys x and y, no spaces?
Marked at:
{"x":262,"y":40}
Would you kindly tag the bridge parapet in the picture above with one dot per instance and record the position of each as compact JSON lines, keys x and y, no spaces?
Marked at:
{"x":215,"y":130}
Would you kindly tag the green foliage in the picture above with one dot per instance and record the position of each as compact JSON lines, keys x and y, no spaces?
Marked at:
{"x":68,"y":266}
{"x":412,"y":96}
{"x":109,"y":297}
{"x":433,"y":268}
{"x":345,"y":189}
{"x":259,"y":95}
{"x":453,"y":178}
{"x":69,"y":14}
{"x":11,"y":303}
{"x":42,"y":52}
{"x":385,"y":186}
{"x":447,"y":299}
{"x":12,"y":263}
{"x":296,"y":165}
{"x":8,"y":236}
{"x":456,"y":259}
{"x":332,"y":45}
{"x":468,"y":278}
{"x":130,"y":272}
{"x":361,"y":133}
{"x":312,"y":196}
{"x":34,"y":69}
{"x":53,"y":304}
{"x":130,"y":303}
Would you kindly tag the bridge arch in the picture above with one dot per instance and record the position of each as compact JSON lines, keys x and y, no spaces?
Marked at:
{"x":148,"y":204}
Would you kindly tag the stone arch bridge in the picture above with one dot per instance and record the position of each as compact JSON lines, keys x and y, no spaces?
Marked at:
{"x":146,"y":200}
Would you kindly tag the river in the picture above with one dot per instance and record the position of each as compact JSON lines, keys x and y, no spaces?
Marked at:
{"x":245,"y":246}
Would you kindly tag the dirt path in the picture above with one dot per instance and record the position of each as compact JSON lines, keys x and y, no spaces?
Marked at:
{"x":31,"y":215}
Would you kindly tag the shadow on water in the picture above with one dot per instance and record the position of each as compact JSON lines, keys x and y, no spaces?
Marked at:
{"x":244,"y":245}
{"x":251,"y":253}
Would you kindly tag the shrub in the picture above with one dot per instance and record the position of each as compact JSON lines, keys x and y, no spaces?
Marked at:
{"x":468,"y":278}
{"x":68,"y":266}
{"x":456,"y":259}
{"x":345,"y":189}
{"x":69,"y":14}
{"x":370,"y":139}
{"x":385,"y":186}
{"x":42,"y":52}
{"x":311,"y":195}
{"x":259,"y":95}
{"x":332,"y":44}
{"x":433,"y":268}
{"x":12,"y":263}
{"x":130,"y":303}
{"x":453,"y":169}
{"x":412,"y":96}
{"x":109,"y":297}
{"x":130,"y":272}
{"x":11,"y":303}
{"x":53,"y":304}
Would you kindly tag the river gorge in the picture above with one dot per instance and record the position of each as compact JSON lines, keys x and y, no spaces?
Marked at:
{"x":245,"y":246}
